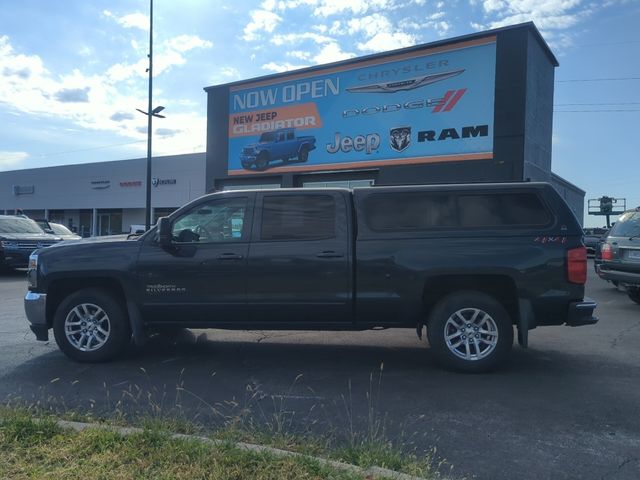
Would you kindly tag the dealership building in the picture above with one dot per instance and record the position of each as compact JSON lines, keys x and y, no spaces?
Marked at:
{"x":476,"y":108}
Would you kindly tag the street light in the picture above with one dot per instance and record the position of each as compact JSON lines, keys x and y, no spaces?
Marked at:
{"x":150,"y":113}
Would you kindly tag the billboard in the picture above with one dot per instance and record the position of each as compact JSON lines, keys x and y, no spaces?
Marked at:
{"x":426,"y":106}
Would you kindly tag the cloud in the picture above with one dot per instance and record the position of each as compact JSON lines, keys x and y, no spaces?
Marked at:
{"x":10,"y":159}
{"x":291,"y":38}
{"x":230,"y":72}
{"x":184,"y":43}
{"x":380,"y":34}
{"x":167,"y":132}
{"x":332,"y":53}
{"x":327,"y":8}
{"x":120,"y":116}
{"x":261,"y":20}
{"x":133,"y":20}
{"x":73,"y":95}
{"x":281,"y":67}
{"x":89,"y":101}
{"x":547,"y":14}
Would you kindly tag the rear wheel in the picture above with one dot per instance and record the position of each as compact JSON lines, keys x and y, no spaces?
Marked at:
{"x":470,"y":331}
{"x":634,"y":294}
{"x":303,"y":156}
{"x":90,"y":326}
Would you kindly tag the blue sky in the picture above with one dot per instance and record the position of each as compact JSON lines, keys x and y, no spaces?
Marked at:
{"x":72,"y":72}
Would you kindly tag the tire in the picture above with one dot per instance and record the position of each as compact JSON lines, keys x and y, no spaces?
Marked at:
{"x":634,"y":294}
{"x":262,"y":162}
{"x":107,"y":327}
{"x":303,"y":156}
{"x":481,"y":313}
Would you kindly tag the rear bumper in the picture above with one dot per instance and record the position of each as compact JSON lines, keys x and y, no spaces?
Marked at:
{"x":628,"y":278}
{"x":581,"y":313}
{"x":35,"y":306}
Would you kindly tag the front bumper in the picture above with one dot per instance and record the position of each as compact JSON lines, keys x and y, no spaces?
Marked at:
{"x":35,"y":306}
{"x":581,"y":313}
{"x":16,"y":258}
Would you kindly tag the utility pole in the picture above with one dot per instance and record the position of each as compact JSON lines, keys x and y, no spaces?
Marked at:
{"x":147,"y":223}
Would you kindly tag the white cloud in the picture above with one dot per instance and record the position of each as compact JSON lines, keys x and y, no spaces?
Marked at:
{"x":332,"y":53}
{"x":230,"y":72}
{"x":292,"y":38}
{"x":184,"y":43}
{"x":299,"y":54}
{"x":261,"y":20}
{"x":281,"y":67}
{"x":96,"y":102}
{"x":11,"y":159}
{"x":387,"y":41}
{"x":547,"y":14}
{"x":380,"y":34}
{"x":132,"y":20}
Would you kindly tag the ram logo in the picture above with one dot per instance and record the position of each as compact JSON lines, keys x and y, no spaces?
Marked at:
{"x":400,"y":138}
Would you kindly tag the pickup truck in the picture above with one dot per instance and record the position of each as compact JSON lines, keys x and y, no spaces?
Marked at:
{"x":468,"y":262}
{"x":280,"y":144}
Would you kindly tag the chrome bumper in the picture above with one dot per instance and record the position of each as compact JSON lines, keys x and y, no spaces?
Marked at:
{"x":35,"y":306}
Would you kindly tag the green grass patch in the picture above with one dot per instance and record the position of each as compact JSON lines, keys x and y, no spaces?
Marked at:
{"x":41,"y":450}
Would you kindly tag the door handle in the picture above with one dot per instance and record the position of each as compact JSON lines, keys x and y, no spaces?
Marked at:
{"x":229,"y":256}
{"x":329,"y":254}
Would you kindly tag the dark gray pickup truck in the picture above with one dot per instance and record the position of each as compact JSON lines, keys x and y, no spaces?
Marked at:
{"x":468,"y":262}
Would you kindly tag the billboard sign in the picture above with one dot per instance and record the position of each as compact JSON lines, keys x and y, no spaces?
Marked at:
{"x":425,"y":106}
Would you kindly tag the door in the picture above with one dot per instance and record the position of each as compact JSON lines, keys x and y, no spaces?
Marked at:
{"x":201,"y":277}
{"x":104,"y":224}
{"x":299,"y":260}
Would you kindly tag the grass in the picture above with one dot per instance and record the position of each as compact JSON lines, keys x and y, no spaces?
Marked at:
{"x":40,"y":449}
{"x":358,"y":436}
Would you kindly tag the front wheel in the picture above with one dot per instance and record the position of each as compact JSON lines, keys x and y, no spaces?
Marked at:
{"x":303,"y":156}
{"x":90,"y":325}
{"x":470,"y":331}
{"x":634,"y":294}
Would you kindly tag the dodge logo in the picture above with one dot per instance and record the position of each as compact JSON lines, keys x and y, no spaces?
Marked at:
{"x":400,"y":138}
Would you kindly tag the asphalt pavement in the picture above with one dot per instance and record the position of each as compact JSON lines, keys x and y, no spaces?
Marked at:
{"x":568,"y":407}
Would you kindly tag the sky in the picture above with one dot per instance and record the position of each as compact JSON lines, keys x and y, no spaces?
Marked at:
{"x":72,"y":72}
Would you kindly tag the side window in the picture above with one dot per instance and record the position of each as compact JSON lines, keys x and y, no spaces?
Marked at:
{"x":409,"y":211}
{"x":298,"y":217}
{"x":289,"y":135}
{"x":281,"y":137}
{"x":220,"y":220}
{"x":502,"y":209}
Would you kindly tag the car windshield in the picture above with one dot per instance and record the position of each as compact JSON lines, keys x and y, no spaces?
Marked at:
{"x":267,"y":137}
{"x":60,"y":229}
{"x":19,"y":225}
{"x":627,"y":225}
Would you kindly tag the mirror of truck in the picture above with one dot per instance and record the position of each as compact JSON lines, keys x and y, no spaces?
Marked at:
{"x":164,"y":231}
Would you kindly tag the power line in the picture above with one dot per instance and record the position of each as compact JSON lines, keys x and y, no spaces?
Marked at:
{"x":617,"y":79}
{"x":45,"y":155}
{"x":593,"y":111}
{"x":592,"y":104}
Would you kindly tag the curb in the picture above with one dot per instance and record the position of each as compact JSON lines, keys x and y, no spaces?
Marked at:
{"x":369,"y":473}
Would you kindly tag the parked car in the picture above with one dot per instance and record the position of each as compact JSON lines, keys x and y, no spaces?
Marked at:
{"x":620,"y":254}
{"x":592,"y":237}
{"x":282,"y":144}
{"x":63,"y":232}
{"x":468,"y":262}
{"x":19,"y":236}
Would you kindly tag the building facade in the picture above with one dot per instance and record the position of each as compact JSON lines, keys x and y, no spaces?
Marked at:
{"x":103,"y":198}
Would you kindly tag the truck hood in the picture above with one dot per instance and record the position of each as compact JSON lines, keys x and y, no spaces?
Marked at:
{"x":35,"y":237}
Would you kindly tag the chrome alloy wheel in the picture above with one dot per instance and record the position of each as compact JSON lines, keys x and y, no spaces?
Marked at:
{"x":471,"y":334}
{"x":87,"y":327}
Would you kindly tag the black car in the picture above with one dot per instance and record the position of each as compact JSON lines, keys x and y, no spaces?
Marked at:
{"x":592,"y":237}
{"x":620,"y":254}
{"x":19,"y":236}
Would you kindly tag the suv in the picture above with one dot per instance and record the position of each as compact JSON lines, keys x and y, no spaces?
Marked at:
{"x":620,"y":254}
{"x":19,"y":236}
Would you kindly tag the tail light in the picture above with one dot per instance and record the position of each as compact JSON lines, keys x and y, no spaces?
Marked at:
{"x":607,"y":251}
{"x":577,"y":265}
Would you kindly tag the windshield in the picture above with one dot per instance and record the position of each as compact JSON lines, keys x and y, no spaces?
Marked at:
{"x":60,"y":229}
{"x":627,"y":225}
{"x":19,"y":225}
{"x":267,"y":137}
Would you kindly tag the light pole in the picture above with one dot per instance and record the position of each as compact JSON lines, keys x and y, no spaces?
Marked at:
{"x":150,"y":113}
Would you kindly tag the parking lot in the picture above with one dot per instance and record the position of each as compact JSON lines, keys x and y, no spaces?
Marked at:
{"x":566,"y":408}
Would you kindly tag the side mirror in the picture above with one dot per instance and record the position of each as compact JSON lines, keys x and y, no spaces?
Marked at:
{"x":164,"y":231}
